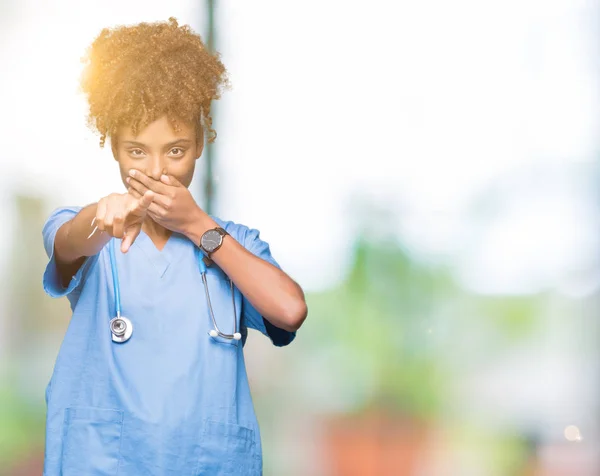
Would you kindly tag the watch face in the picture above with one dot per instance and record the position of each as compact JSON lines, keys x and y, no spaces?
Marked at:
{"x":211,"y":240}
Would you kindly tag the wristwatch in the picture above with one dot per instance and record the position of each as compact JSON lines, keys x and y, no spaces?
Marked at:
{"x":212,"y":240}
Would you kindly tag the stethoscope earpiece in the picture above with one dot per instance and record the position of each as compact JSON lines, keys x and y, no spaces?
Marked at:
{"x":235,"y":336}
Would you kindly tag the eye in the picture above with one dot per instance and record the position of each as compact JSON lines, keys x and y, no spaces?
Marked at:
{"x":177,"y":151}
{"x":136,"y":152}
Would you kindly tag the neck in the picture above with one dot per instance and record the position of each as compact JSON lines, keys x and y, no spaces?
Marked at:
{"x":155,"y":231}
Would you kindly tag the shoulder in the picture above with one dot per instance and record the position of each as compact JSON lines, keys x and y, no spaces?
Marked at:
{"x":62,"y":214}
{"x":241,"y":233}
{"x":69,"y":210}
{"x":248,"y":237}
{"x":56,"y":219}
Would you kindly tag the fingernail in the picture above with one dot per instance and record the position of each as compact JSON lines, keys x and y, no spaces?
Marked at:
{"x":164,"y":177}
{"x":132,"y":173}
{"x":127,"y":179}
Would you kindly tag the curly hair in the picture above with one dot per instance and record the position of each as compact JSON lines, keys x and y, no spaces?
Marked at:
{"x":134,"y":75}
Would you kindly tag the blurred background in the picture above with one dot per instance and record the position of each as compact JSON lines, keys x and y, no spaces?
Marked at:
{"x":446,"y":153}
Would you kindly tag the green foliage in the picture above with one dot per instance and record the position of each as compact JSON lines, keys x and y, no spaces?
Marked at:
{"x":516,"y":316}
{"x":388,"y":329}
{"x":380,"y":319}
{"x":22,"y":428}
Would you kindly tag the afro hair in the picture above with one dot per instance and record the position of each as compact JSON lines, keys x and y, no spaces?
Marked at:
{"x":134,"y":75}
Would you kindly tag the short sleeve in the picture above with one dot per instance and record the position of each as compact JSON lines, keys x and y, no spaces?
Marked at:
{"x":250,"y":239}
{"x":51,"y":280}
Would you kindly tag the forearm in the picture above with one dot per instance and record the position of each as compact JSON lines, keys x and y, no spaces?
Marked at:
{"x":271,"y":291}
{"x":72,"y":243}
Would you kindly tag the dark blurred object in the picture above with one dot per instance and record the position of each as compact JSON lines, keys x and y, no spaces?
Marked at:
{"x":375,"y":444}
{"x":33,"y":465}
{"x":209,"y":152}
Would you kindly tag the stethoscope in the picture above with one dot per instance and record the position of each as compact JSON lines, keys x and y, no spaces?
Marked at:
{"x":121,"y":327}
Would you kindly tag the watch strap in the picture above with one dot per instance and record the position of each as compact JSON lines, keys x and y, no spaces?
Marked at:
{"x":221,"y":231}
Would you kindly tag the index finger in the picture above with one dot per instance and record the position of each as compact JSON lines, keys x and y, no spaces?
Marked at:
{"x":154,"y":185}
{"x":143,"y":203}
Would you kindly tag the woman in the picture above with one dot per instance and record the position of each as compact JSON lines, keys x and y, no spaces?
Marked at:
{"x":160,"y":389}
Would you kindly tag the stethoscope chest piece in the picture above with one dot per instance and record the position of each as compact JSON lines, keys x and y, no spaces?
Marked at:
{"x":121,"y":329}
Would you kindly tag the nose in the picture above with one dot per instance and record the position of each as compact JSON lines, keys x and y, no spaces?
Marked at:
{"x":155,"y":167}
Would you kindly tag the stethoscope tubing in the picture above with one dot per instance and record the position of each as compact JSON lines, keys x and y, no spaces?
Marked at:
{"x":216,"y":331}
{"x":115,"y":277}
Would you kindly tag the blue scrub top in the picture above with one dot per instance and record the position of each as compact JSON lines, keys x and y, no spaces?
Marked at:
{"x":170,"y":401}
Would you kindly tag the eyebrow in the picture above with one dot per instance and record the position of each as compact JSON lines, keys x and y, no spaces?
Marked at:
{"x":169,"y":145}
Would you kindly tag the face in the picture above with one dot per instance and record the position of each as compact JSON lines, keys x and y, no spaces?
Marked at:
{"x":158,"y":149}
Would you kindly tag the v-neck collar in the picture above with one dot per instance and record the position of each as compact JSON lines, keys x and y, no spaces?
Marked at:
{"x":161,"y":259}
